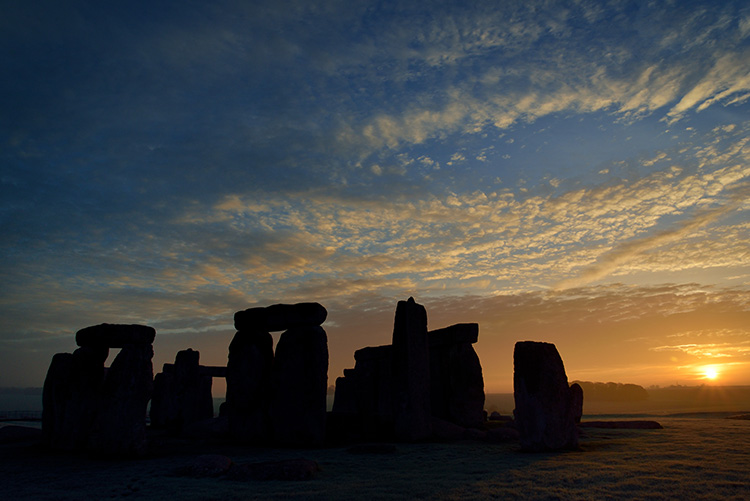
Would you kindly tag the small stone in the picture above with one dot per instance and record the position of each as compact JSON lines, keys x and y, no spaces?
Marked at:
{"x":287,"y":469}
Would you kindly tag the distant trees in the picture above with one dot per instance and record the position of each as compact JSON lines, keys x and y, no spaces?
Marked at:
{"x":612,"y":392}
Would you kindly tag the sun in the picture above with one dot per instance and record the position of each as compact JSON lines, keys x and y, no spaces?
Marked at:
{"x":710,"y":373}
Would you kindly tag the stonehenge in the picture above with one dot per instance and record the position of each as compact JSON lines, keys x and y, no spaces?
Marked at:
{"x":397,"y":391}
{"x":88,"y":407}
{"x":425,"y":385}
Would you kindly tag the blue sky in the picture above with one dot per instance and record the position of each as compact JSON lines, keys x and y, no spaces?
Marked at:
{"x":509,"y":163}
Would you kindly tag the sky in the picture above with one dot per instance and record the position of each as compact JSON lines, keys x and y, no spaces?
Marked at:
{"x":574,"y":172}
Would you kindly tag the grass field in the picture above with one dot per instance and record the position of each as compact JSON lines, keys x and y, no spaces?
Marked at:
{"x":691,"y":458}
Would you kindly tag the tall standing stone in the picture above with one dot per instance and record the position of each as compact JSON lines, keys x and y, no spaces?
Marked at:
{"x":545,"y":405}
{"x":456,"y":382}
{"x":120,"y":424}
{"x":182,"y":393}
{"x":411,"y":372}
{"x":299,"y":385}
{"x":249,"y":386}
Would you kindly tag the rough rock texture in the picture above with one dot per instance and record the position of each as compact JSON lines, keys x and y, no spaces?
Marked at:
{"x":280,"y":317}
{"x":544,"y":413}
{"x":299,"y":384}
{"x":115,"y":335}
{"x":249,"y":386}
{"x":71,"y":397}
{"x":456,"y":382}
{"x":182,"y":393}
{"x":411,"y":372}
{"x":119,"y":427}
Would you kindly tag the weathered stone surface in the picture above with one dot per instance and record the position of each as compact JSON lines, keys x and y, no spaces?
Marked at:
{"x":71,"y":397}
{"x":249,"y":386}
{"x":119,"y":427}
{"x":299,"y":386}
{"x":576,"y":393}
{"x":115,"y":335}
{"x":287,"y":469}
{"x":411,"y":372}
{"x":280,"y":317}
{"x":544,"y":413}
{"x":183,"y":394}
{"x":456,"y":382}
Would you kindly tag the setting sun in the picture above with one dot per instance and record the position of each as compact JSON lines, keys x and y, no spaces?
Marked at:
{"x":710,"y":373}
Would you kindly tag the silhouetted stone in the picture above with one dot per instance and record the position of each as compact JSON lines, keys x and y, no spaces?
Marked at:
{"x":456,"y":382}
{"x":71,"y":395}
{"x":299,"y":385}
{"x":115,"y":335}
{"x":119,"y":427}
{"x":280,"y":317}
{"x":576,"y":393}
{"x":182,"y":393}
{"x":503,"y":434}
{"x":544,"y":413}
{"x":411,"y":372}
{"x":249,"y":386}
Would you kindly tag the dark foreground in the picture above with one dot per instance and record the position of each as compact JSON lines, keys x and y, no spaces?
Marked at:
{"x":690,"y":458}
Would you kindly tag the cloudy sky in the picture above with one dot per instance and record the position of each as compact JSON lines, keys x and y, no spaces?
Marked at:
{"x":575,"y":172}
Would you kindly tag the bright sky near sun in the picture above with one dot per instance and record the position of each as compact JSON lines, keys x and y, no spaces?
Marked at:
{"x":574,"y":172}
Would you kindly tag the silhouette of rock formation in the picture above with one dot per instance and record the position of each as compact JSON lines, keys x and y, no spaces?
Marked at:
{"x":456,"y":382}
{"x":299,"y":382}
{"x":279,"y":397}
{"x":546,"y":407}
{"x":182,"y":392}
{"x":401,"y":390}
{"x":103,"y":410}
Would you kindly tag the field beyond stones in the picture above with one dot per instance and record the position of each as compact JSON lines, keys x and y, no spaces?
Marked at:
{"x":691,"y":458}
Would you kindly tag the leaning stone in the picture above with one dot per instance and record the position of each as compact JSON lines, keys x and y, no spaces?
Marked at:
{"x":115,"y":335}
{"x":411,"y":372}
{"x":544,"y":413}
{"x":280,"y":317}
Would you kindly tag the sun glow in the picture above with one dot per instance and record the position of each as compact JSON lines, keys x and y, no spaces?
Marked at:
{"x":710,"y":372}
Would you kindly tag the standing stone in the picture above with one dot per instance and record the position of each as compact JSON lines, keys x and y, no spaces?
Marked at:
{"x":182,"y":393}
{"x":70,"y":397}
{"x":544,"y":413}
{"x":249,"y":386}
{"x":576,"y":393}
{"x":119,"y":427}
{"x":411,"y":372}
{"x":300,"y":382}
{"x":456,"y":382}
